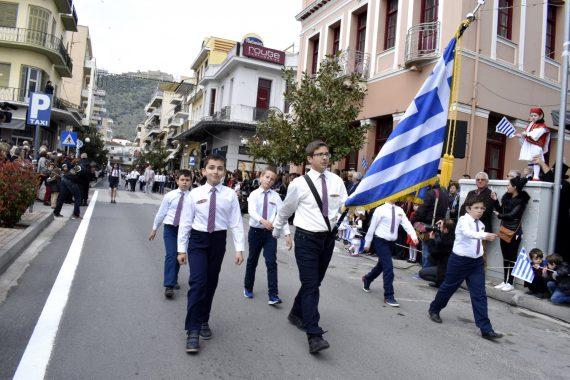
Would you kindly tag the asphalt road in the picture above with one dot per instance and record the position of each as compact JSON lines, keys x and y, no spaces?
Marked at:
{"x":118,"y":325}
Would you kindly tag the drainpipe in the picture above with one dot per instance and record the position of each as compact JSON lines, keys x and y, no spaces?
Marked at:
{"x":474,"y":95}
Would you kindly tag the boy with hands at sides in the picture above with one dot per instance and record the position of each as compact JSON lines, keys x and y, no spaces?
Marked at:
{"x":263,"y":205}
{"x":208,"y":212}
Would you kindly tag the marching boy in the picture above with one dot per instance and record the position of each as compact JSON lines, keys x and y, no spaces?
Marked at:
{"x":263,"y":204}
{"x":208,"y":212}
{"x":169,"y":213}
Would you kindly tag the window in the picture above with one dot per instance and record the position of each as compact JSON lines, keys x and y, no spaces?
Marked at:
{"x":38,"y":24}
{"x":31,"y":80}
{"x":384,"y":126}
{"x":391,"y":21}
{"x":351,"y":160}
{"x":212,"y":101}
{"x":495,"y":149}
{"x":505,"y":22}
{"x":428,"y":38}
{"x":263,"y":99}
{"x":4,"y":75}
{"x":336,"y":40}
{"x":361,"y":31}
{"x":8,"y":14}
{"x":551,"y":31}
{"x":314,"y":55}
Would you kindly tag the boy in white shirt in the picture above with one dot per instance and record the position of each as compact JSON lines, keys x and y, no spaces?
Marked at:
{"x":466,"y":263}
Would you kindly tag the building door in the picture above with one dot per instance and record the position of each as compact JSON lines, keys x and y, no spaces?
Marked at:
{"x":384,"y":126}
{"x":38,"y":21}
{"x":495,"y":149}
{"x":263,"y":99}
{"x":428,"y":36}
{"x":351,"y":161}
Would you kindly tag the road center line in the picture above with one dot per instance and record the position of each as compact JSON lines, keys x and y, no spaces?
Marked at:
{"x":34,"y":362}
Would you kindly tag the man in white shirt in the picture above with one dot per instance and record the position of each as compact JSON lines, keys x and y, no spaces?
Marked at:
{"x":208,"y":211}
{"x":383,"y":230}
{"x":314,"y":236}
{"x":169,"y":213}
{"x":263,"y":204}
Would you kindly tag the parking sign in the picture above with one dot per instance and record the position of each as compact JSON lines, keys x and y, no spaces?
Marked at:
{"x":39,"y":109}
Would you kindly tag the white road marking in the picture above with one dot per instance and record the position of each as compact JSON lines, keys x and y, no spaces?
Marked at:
{"x":34,"y":362}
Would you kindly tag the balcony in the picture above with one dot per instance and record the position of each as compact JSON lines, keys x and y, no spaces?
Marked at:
{"x":354,"y":62}
{"x":69,"y":19}
{"x":422,"y":43}
{"x":64,"y":6}
{"x":88,"y":65}
{"x":155,"y":101}
{"x":239,"y":113}
{"x":47,"y":44}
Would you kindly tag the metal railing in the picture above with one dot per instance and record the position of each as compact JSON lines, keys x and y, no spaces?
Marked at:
{"x":422,"y":43}
{"x":36,"y":38}
{"x":12,"y":94}
{"x":260,"y":114}
{"x":354,"y":61}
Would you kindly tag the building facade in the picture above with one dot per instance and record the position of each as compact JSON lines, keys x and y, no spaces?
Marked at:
{"x":33,"y":51}
{"x":511,"y":58}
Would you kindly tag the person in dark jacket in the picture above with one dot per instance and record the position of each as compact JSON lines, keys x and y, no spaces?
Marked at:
{"x":482,"y":191}
{"x":510,"y":212}
{"x":560,"y":287}
{"x":440,"y":247}
{"x":84,"y":177}
{"x":69,"y":186}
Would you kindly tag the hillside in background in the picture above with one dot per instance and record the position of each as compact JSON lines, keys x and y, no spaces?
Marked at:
{"x":127,"y":95}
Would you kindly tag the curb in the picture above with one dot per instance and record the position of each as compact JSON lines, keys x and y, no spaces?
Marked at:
{"x":14,"y":249}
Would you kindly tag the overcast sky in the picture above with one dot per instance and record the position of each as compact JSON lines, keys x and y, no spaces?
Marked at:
{"x":130,"y":35}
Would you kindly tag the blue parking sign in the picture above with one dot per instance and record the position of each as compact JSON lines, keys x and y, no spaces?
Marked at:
{"x":192,"y":161}
{"x":39,"y":109}
{"x":68,"y":138}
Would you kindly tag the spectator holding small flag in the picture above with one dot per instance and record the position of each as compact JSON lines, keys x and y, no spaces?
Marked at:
{"x":534,"y":140}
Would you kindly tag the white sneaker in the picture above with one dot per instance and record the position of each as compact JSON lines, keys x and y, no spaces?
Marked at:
{"x":507,"y":288}
{"x":501,"y":285}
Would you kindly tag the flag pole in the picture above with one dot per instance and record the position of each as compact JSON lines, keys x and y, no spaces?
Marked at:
{"x":561,"y":130}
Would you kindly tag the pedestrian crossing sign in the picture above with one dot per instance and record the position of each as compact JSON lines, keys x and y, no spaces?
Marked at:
{"x":68,"y":138}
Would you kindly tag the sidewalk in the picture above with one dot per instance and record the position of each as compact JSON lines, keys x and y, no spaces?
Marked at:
{"x":516,"y":297}
{"x":13,"y":241}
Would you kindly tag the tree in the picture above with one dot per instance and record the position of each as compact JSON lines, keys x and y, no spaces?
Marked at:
{"x":95,"y":148}
{"x":324,"y":107}
{"x":155,"y":157}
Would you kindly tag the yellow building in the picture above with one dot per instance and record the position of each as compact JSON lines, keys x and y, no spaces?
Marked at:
{"x":33,"y":51}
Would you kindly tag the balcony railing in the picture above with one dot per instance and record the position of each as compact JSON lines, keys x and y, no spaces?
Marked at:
{"x":354,"y":61}
{"x":36,"y":39}
{"x":238,"y":113}
{"x":260,"y":114}
{"x":422,"y":43}
{"x":12,"y":94}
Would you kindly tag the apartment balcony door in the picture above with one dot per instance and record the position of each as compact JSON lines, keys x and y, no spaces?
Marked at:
{"x":38,"y":21}
{"x":495,"y":150}
{"x":263,"y":99}
{"x":428,"y":38}
{"x":30,"y":81}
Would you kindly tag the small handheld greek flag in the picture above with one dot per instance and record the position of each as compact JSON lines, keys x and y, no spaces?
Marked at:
{"x":364,"y":163}
{"x":505,"y":127}
{"x":523,"y":267}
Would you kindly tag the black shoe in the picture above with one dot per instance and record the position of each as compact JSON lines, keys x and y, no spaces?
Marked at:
{"x":169,"y":292}
{"x":434,"y":285}
{"x":435,"y":317}
{"x":57,"y":215}
{"x":295,"y":320}
{"x":205,"y":331}
{"x":317,"y":343}
{"x":193,"y":342}
{"x":491,"y":335}
{"x":177,"y":287}
{"x":365,"y":284}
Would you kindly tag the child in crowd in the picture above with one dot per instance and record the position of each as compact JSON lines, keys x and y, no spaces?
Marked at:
{"x":560,"y":286}
{"x":553,"y":261}
{"x":538,"y":285}
{"x":53,"y":181}
{"x":440,"y":247}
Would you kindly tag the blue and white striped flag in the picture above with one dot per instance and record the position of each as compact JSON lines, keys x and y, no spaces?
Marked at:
{"x":523,"y":267}
{"x":410,"y":157}
{"x":364,"y":163}
{"x":506,"y":128}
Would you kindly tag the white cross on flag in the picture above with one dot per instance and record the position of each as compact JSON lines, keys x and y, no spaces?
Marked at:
{"x":505,"y":127}
{"x":523,"y":267}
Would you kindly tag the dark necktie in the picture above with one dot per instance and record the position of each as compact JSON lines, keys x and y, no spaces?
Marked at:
{"x":478,"y":243}
{"x":265,"y":204}
{"x":325,"y":209}
{"x":393,"y":223}
{"x":178,"y":210}
{"x":212,"y":211}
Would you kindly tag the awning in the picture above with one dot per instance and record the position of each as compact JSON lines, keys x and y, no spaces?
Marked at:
{"x":555,"y":118}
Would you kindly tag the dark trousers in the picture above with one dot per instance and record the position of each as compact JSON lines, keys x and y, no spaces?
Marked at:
{"x":258,"y":239}
{"x":84,"y":190}
{"x":313,"y":254}
{"x":384,"y":250}
{"x":68,"y":188}
{"x":460,"y":268}
{"x":441,"y":269}
{"x":510,"y":252}
{"x":171,"y":266}
{"x":205,"y":255}
{"x":133,"y":183}
{"x":141,"y":186}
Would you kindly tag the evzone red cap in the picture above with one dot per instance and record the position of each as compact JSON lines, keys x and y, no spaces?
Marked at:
{"x":537,"y":110}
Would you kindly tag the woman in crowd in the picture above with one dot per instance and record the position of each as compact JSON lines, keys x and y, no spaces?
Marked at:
{"x":510,"y":211}
{"x":453,"y":194}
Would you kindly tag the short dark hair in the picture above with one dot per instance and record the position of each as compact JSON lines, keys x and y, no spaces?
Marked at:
{"x":554,"y":258}
{"x":472,"y":200}
{"x":314,"y":145}
{"x":269,"y":168}
{"x":449,"y":224}
{"x":185,"y":173}
{"x":535,"y":252}
{"x":214,"y":157}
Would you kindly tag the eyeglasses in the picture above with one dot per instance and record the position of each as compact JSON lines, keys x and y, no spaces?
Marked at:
{"x":319,"y":155}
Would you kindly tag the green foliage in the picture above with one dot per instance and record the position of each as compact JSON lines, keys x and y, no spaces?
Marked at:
{"x":18,"y":185}
{"x":95,"y":148}
{"x":155,"y":157}
{"x":324,"y":107}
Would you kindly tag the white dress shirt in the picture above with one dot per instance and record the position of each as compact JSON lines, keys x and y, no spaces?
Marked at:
{"x":196,"y":209}
{"x":167,"y":210}
{"x":300,"y":200}
{"x":467,"y":238}
{"x":255,"y":208}
{"x":381,"y":224}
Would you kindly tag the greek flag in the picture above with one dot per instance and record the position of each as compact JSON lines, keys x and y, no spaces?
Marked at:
{"x":523,"y":267}
{"x":410,"y":157}
{"x":364,"y":163}
{"x":505,"y":127}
